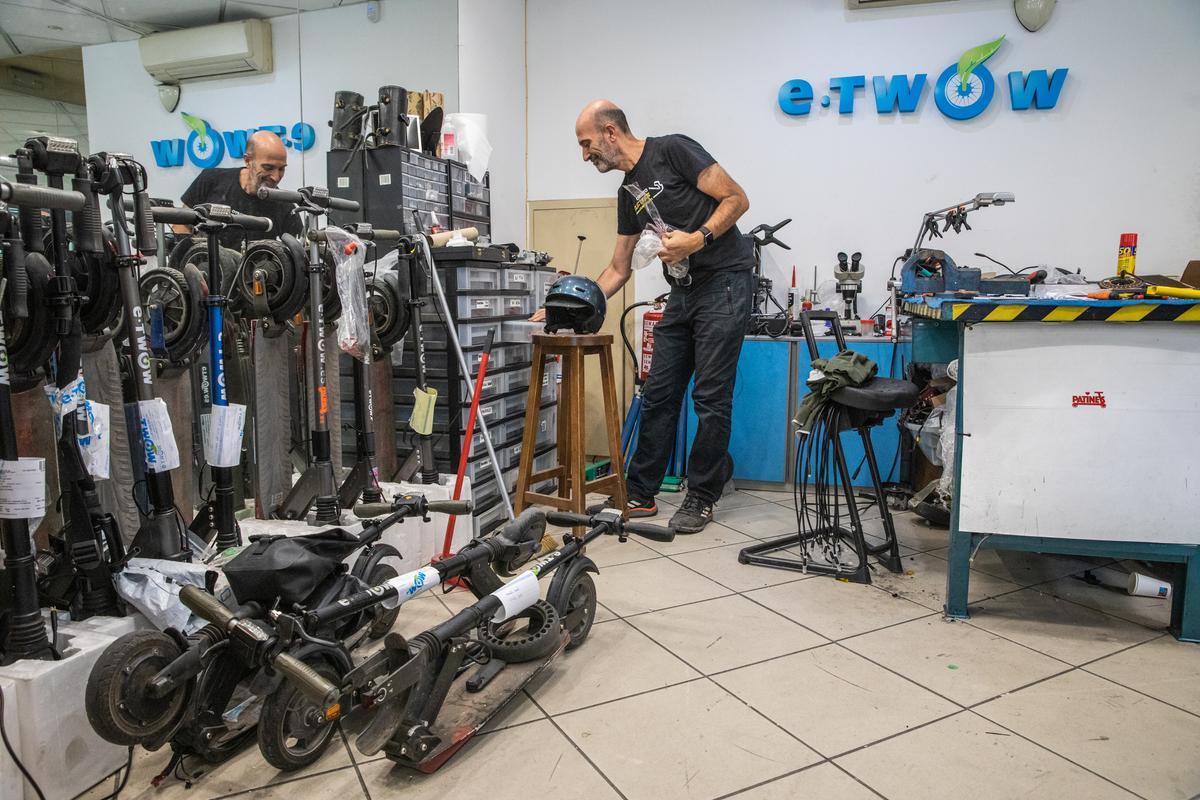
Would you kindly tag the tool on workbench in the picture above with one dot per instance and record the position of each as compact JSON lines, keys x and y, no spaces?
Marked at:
{"x":1117,"y":294}
{"x":1127,"y":254}
{"x":927,"y":270}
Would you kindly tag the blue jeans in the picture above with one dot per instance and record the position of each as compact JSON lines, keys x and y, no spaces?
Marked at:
{"x":701,"y":333}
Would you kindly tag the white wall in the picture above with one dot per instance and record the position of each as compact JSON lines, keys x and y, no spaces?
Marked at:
{"x":491,"y":74}
{"x":316,"y":53}
{"x":1117,"y":154}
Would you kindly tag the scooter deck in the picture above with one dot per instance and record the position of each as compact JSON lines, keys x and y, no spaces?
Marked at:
{"x":465,"y":713}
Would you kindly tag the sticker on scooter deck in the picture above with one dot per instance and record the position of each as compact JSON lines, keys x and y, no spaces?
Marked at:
{"x":465,"y":713}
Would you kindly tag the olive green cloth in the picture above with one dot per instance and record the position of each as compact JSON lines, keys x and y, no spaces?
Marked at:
{"x":847,"y":368}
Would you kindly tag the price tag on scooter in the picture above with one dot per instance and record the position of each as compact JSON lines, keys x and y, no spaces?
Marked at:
{"x":158,"y":439}
{"x":23,"y":488}
{"x":517,"y":595}
{"x":93,"y":444}
{"x":223,"y":442}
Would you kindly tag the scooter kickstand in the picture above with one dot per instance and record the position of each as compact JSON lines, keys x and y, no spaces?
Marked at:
{"x":484,"y":675}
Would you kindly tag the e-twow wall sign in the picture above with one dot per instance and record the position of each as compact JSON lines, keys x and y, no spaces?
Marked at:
{"x":207,"y":147}
{"x":962,"y":90}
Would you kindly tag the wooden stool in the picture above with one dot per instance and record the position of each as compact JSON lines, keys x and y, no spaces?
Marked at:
{"x":573,"y":486}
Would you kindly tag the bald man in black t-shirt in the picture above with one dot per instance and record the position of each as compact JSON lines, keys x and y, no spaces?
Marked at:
{"x":705,"y":319}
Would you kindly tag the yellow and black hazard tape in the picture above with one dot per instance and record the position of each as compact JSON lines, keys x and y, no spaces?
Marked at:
{"x":1021,"y":312}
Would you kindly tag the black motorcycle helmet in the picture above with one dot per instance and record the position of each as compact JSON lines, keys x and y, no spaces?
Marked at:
{"x":576,"y":303}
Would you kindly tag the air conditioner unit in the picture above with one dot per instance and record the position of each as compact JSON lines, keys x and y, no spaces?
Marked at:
{"x":858,"y":5}
{"x":231,"y":48}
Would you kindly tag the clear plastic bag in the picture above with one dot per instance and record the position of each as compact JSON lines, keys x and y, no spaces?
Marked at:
{"x":655,"y":230}
{"x":353,"y":327}
{"x":646,"y":251}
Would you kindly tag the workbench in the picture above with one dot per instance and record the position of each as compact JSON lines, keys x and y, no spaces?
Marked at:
{"x":770,"y":384}
{"x":1076,"y":430}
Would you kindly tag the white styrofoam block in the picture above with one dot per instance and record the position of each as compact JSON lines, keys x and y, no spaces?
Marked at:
{"x":432,"y":535}
{"x":58,"y":745}
{"x":133,"y":620}
{"x":11,"y":782}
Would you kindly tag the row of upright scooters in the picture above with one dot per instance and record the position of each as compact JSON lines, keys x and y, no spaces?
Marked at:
{"x":278,"y":655}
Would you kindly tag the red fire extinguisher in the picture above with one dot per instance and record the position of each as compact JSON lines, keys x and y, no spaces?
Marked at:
{"x":649,"y":320}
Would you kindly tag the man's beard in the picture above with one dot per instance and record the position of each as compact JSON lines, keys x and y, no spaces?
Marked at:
{"x":602,"y":164}
{"x":265,"y":180}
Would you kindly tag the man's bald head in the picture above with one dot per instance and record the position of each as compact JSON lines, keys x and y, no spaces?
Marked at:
{"x":603,"y":134}
{"x":266,"y":160}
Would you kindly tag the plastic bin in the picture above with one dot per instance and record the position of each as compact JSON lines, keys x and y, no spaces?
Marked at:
{"x":543,"y":279}
{"x":470,"y":334}
{"x":487,"y":520}
{"x":513,"y":406}
{"x":516,"y":305}
{"x":519,"y":330}
{"x":518,"y":380}
{"x":517,"y":278}
{"x":469,"y":306}
{"x":550,"y":382}
{"x":546,"y":461}
{"x":475,"y":277}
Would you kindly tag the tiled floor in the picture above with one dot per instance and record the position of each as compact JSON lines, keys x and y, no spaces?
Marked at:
{"x":704,"y":678}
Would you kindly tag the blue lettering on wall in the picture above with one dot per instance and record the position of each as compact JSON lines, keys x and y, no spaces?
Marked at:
{"x":235,"y":142}
{"x":958,"y":95}
{"x":212,"y":147}
{"x":168,"y":152}
{"x":845,"y":86}
{"x":1037,"y":88}
{"x":963,"y":100}
{"x":795,"y":97}
{"x":898,"y":93}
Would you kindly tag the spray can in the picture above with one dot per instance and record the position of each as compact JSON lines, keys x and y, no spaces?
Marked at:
{"x":791,"y":297}
{"x":1127,"y":254}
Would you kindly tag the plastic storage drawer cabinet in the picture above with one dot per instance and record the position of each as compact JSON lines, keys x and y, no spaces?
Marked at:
{"x":516,"y":278}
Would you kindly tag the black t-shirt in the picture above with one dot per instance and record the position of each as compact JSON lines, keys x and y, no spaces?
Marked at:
{"x":224,"y":185}
{"x":669,"y":169}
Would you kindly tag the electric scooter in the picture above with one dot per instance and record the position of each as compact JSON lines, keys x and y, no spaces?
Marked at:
{"x":82,"y":560}
{"x":216,"y":520}
{"x":162,"y":534}
{"x":363,"y":479}
{"x":24,"y":633}
{"x":205,"y":693}
{"x":421,"y":714}
{"x":316,"y":486}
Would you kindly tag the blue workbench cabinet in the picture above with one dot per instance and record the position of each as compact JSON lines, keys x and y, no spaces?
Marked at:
{"x":770,"y":385}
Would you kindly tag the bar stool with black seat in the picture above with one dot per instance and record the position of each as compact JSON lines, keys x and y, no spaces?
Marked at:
{"x":823,"y":537}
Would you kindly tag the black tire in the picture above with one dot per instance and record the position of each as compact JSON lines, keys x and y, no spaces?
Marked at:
{"x":330,"y":298}
{"x":276,"y":263}
{"x":115,"y":699}
{"x":580,"y":611}
{"x":31,"y":340}
{"x":390,"y":313}
{"x":292,"y":733}
{"x":170,"y":288}
{"x":515,"y":643}
{"x":382,"y":619}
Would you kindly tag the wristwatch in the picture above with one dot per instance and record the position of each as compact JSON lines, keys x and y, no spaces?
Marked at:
{"x":708,"y":235}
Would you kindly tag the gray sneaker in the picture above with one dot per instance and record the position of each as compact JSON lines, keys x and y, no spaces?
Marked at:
{"x":692,"y":516}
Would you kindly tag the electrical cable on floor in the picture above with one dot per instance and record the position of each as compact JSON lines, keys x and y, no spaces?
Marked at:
{"x":13,"y":753}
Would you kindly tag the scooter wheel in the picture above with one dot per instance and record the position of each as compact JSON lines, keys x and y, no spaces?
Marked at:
{"x":31,"y":340}
{"x":390,"y":311}
{"x":292,"y":730}
{"x":382,"y":619}
{"x":273,"y":264}
{"x":513,"y":642}
{"x":581,"y":609}
{"x":330,"y":298}
{"x":116,"y":699}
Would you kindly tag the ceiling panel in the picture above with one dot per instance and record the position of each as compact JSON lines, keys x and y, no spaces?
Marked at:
{"x":71,"y":28}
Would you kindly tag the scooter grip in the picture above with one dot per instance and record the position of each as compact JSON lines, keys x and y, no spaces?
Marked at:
{"x":384,"y":235}
{"x":368,"y":510}
{"x":17,"y":293}
{"x":251,"y":223}
{"x":279,"y":195}
{"x":174,"y":216}
{"x":86,"y":221}
{"x":143,"y":220}
{"x":206,"y":606}
{"x":341,"y":204}
{"x":450,"y":506}
{"x":28,"y":195}
{"x":647,"y":531}
{"x":306,"y":679}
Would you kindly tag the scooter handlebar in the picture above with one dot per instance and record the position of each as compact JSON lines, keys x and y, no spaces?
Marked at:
{"x":455,"y":507}
{"x":175,"y":216}
{"x":307,"y":679}
{"x":309,"y":195}
{"x":206,"y":606}
{"x":614,"y":521}
{"x":30,"y":196}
